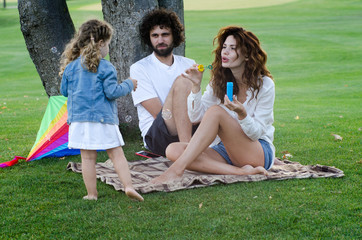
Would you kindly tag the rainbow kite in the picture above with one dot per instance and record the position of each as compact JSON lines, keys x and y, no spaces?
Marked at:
{"x":52,"y":137}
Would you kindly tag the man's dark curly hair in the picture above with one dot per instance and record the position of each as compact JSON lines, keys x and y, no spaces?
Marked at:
{"x":163,"y":18}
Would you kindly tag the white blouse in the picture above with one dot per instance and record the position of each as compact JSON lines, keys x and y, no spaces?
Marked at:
{"x":260,"y":117}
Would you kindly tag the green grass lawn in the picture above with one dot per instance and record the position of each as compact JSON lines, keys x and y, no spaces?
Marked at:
{"x":314,"y":54}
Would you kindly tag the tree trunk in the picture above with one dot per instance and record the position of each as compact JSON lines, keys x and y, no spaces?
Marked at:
{"x":178,"y":7}
{"x":126,"y":47}
{"x":47,"y":28}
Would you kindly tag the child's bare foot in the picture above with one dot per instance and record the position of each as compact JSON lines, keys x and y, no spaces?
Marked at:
{"x":89,"y":197}
{"x":132,"y":194}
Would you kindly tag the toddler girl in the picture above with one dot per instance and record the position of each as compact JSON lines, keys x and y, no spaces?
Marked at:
{"x":90,"y":83}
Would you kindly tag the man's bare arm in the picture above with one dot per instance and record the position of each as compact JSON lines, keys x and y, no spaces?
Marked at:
{"x":153,"y":106}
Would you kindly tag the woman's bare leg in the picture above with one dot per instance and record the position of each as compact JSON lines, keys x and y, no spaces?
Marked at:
{"x":121,"y":166}
{"x":89,"y":158}
{"x":211,"y":161}
{"x":215,"y":122}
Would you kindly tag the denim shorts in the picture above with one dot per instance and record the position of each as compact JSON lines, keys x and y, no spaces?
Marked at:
{"x":158,"y":138}
{"x":268,"y":154}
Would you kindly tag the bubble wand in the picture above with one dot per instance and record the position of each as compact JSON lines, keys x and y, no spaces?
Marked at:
{"x":201,"y":67}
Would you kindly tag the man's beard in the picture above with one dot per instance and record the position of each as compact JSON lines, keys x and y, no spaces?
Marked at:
{"x":163,"y":52}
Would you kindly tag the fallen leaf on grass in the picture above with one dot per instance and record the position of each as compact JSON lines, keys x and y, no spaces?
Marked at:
{"x":296,"y":117}
{"x":338,"y":192}
{"x":286,"y":155}
{"x":337,"y":137}
{"x":4,"y":107}
{"x":200,"y":205}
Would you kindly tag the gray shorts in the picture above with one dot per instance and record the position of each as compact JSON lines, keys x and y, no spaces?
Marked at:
{"x":158,"y":138}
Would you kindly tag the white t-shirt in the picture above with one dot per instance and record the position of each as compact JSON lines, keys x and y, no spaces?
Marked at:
{"x":260,"y":115}
{"x":155,"y":79}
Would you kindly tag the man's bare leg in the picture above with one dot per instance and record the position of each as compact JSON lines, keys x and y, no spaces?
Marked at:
{"x":176,"y":118}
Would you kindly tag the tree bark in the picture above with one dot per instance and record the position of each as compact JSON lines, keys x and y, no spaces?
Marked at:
{"x":178,"y":7}
{"x":47,"y":27}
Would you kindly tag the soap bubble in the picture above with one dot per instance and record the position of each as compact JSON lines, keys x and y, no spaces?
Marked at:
{"x":54,"y":50}
{"x":128,"y":118}
{"x":166,"y":114}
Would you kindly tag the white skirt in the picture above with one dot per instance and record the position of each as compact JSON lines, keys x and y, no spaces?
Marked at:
{"x":94,"y":136}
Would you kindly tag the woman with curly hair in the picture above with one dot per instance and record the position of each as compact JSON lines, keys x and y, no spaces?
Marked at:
{"x":243,"y":124}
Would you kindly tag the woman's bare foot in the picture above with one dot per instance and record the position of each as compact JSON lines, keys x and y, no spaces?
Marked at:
{"x":132,"y":194}
{"x":278,"y":162}
{"x":89,"y":197}
{"x":167,"y":176}
{"x":250,"y":170}
{"x":261,"y":170}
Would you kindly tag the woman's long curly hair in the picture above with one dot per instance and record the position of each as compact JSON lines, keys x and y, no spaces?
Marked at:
{"x":255,"y":67}
{"x":163,"y":18}
{"x":85,"y":43}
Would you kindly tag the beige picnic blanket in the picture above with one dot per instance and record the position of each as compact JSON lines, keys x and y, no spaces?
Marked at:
{"x":145,"y":170}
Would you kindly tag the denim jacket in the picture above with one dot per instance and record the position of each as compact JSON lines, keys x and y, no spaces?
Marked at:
{"x":92,"y":96}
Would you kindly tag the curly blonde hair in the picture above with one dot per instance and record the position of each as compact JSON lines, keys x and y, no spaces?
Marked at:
{"x":85,"y":43}
{"x":255,"y":67}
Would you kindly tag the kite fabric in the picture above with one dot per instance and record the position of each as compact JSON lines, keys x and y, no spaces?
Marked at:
{"x":12,"y":162}
{"x":52,"y":137}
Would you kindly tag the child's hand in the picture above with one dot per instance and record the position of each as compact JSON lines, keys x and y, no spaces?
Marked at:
{"x":134,"y":81}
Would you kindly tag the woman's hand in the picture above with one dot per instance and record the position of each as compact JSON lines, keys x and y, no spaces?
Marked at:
{"x":195,"y":76}
{"x":235,"y":106}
